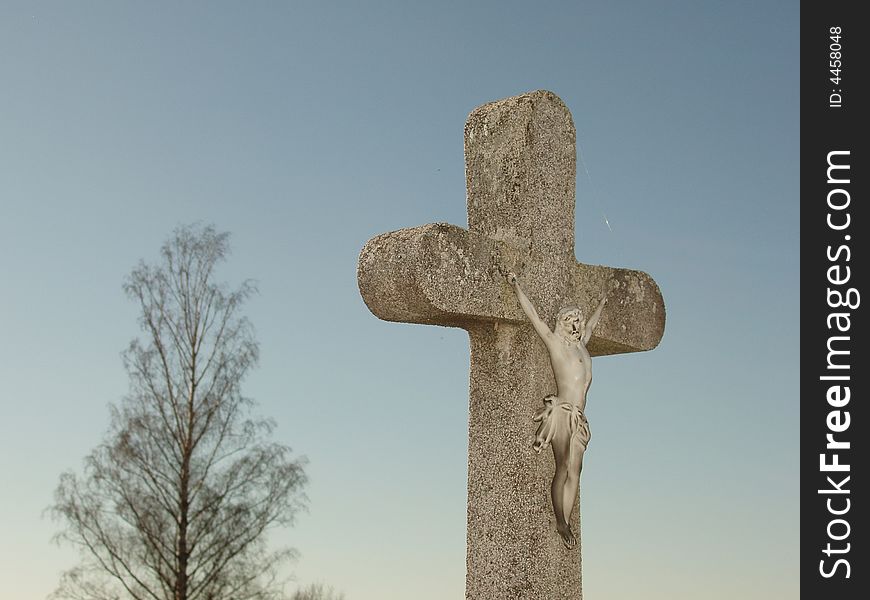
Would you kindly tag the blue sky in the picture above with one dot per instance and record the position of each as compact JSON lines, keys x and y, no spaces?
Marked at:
{"x":305,"y":128}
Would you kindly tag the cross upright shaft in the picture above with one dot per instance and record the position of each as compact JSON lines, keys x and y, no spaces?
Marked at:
{"x":520,"y":173}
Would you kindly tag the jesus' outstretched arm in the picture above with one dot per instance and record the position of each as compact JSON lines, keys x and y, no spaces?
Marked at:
{"x":593,"y":321}
{"x":529,"y":308}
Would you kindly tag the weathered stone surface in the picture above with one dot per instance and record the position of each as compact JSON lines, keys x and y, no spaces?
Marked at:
{"x":520,"y":174}
{"x":441,"y":274}
{"x":513,"y":550}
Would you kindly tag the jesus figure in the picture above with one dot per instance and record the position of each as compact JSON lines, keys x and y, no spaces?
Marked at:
{"x":562,"y":422}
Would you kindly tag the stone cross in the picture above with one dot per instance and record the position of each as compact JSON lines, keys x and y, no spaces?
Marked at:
{"x":520,"y":172}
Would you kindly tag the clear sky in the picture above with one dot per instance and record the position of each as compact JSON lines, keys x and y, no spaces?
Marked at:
{"x":305,"y":128}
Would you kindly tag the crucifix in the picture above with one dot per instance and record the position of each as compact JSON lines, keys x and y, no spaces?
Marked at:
{"x":520,"y":174}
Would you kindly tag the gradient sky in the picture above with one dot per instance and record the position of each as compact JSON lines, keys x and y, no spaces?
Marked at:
{"x":305,"y":128}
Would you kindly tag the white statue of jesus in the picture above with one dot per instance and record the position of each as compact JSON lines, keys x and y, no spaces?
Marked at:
{"x":562,"y":422}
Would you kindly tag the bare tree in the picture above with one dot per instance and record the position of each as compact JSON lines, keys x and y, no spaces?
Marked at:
{"x":175,"y":502}
{"x":317,"y":591}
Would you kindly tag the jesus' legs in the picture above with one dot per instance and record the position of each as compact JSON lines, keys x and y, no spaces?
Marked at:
{"x":572,"y":481}
{"x":561,"y":450}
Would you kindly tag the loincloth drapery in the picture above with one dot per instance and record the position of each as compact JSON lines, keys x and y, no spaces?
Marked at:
{"x":578,"y":426}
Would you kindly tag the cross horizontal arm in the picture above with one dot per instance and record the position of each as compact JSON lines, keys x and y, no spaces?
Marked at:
{"x":436,"y":274}
{"x":633,"y":320}
{"x":441,"y":274}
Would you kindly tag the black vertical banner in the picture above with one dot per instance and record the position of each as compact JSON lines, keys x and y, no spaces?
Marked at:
{"x":834,"y":266}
